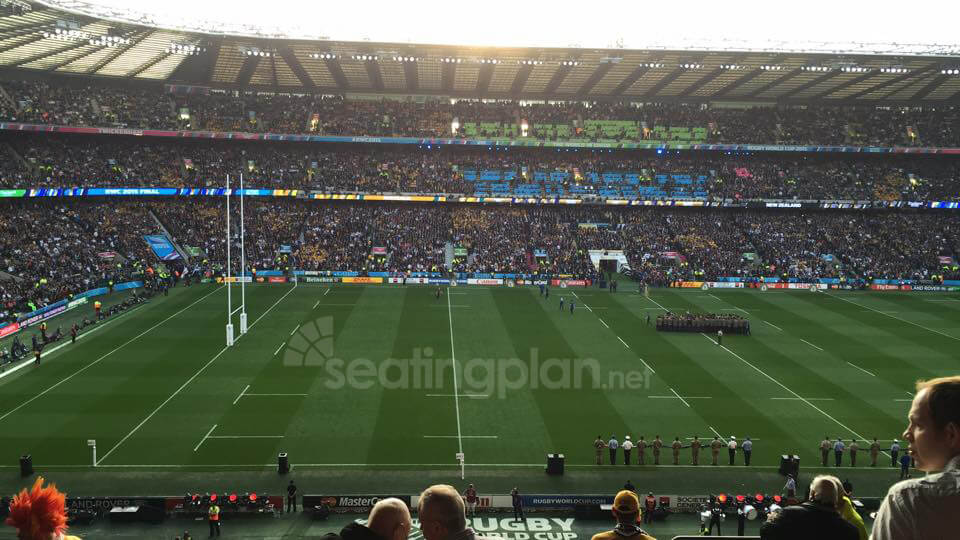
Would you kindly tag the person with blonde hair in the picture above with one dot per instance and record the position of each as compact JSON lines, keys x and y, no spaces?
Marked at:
{"x":926,"y":507}
{"x":818,"y":517}
{"x":39,"y":514}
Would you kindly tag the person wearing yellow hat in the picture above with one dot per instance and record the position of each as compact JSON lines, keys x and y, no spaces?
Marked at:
{"x":626,"y":510}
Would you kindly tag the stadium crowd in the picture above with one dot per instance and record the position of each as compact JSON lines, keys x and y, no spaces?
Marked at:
{"x":139,"y":107}
{"x":106,"y":161}
{"x":50,"y":249}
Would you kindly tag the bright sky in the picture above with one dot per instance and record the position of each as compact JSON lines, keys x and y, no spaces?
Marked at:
{"x":564,"y":23}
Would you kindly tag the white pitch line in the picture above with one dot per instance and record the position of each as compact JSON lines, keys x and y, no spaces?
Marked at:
{"x":675,"y":397}
{"x":800,"y":399}
{"x":273,"y":395}
{"x":276,"y":352}
{"x":627,"y":346}
{"x":91,"y":364}
{"x":603,"y":323}
{"x":861,"y":369}
{"x":781,"y":385}
{"x":294,"y":331}
{"x":715,"y":432}
{"x":461,"y":436}
{"x":326,"y":291}
{"x":712,"y":296}
{"x":584,"y":305}
{"x":773,"y":325}
{"x":317,"y":304}
{"x":241,"y":394}
{"x":472,"y":396}
{"x":205,"y":437}
{"x":811,"y":344}
{"x":456,"y":391}
{"x":903,"y":399}
{"x":194,"y":376}
{"x":645,"y":364}
{"x":245,"y":437}
{"x":678,"y":396}
{"x":891,"y":316}
{"x":27,"y":361}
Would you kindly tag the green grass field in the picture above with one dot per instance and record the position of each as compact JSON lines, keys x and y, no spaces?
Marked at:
{"x":357,"y":379}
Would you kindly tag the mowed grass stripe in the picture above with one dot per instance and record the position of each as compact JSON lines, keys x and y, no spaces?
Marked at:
{"x":334,"y":423}
{"x":482,"y":342}
{"x":919,"y":330}
{"x":28,"y":382}
{"x":407,"y":414}
{"x":687,"y":363}
{"x":171,"y":425}
{"x":909,"y":306}
{"x":786,"y":364}
{"x":56,"y":426}
{"x":598,"y":339}
{"x":571,"y":417}
{"x":175,"y":413}
{"x":255,"y":416}
{"x":926,"y":351}
{"x":830,"y":332}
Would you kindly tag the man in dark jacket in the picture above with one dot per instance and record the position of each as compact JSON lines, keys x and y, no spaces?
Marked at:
{"x":389,"y":520}
{"x":817,"y":518}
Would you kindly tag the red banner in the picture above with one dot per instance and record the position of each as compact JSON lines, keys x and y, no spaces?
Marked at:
{"x":275,"y":279}
{"x":9,"y":329}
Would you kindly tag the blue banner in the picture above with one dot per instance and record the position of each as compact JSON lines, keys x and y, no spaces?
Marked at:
{"x":127,"y":285}
{"x":162,"y":247}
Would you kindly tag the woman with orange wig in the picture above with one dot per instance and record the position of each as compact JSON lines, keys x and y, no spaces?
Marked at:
{"x":39,"y":514}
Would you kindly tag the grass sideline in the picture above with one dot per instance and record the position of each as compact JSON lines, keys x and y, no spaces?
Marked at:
{"x":837,"y":364}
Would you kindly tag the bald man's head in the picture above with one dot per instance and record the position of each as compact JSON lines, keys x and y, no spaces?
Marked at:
{"x":390,"y":519}
{"x":441,"y":512}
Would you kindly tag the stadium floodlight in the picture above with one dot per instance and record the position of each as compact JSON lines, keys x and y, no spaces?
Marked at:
{"x":322,"y":56}
{"x":894,"y":70}
{"x":950,"y":71}
{"x":821,"y":69}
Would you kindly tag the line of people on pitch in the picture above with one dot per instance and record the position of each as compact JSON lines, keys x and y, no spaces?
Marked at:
{"x":656,"y":445}
{"x":839,"y":448}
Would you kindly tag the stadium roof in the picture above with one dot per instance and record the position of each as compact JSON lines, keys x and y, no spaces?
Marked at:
{"x":42,"y":39}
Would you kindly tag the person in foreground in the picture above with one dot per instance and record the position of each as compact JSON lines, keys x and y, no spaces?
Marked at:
{"x":927,"y":507}
{"x":39,"y":514}
{"x":443,"y":516}
{"x":389,"y":519}
{"x":818,"y":517}
{"x":626,"y":510}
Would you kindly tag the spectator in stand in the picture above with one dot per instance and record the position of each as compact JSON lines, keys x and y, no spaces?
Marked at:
{"x":626,"y":512}
{"x":818,"y":517}
{"x":927,"y":507}
{"x":442,"y":516}
{"x":40,"y":513}
{"x":83,"y":103}
{"x":389,"y":519}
